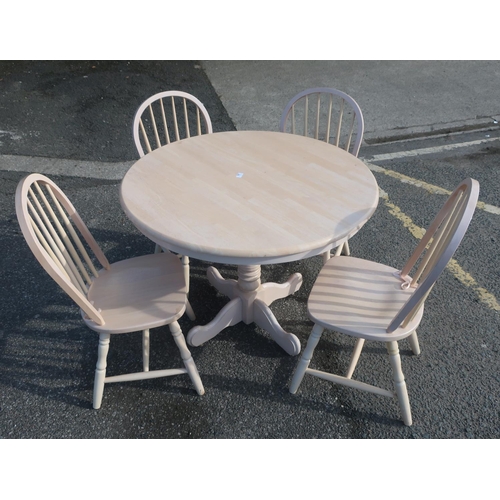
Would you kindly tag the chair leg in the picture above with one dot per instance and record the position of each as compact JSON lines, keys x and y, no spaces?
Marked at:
{"x":358,"y":347}
{"x":341,"y":249}
{"x":189,"y":311}
{"x":185,"y":266}
{"x":100,"y":370}
{"x":345,"y":248}
{"x":145,"y":350}
{"x":399,"y":381}
{"x":326,"y":256}
{"x":306,"y":357}
{"x":157,"y":248}
{"x":415,"y":347}
{"x":176,"y":331}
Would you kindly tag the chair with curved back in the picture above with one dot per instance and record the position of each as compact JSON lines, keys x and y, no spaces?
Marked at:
{"x":328,"y":115}
{"x":160,"y":125}
{"x":127,"y":296}
{"x":157,"y":123}
{"x":372,"y":301}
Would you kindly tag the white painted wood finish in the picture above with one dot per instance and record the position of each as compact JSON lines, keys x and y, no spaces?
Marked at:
{"x":372,"y":301}
{"x":249,"y":198}
{"x":326,"y":114}
{"x":329,"y":115}
{"x":164,"y":118}
{"x":127,"y":296}
{"x":167,"y":117}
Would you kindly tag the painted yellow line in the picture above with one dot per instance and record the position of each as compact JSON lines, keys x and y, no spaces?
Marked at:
{"x":454,"y":267}
{"x":428,"y":187}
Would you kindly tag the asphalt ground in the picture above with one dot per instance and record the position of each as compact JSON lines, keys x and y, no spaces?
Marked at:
{"x":399,"y":99}
{"x":84,"y":110}
{"x":48,"y":356}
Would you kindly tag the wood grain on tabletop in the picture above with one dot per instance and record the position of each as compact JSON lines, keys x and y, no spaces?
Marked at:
{"x":249,"y":194}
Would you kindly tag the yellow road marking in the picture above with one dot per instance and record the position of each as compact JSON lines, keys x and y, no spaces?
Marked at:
{"x":453,"y":266}
{"x":428,"y":187}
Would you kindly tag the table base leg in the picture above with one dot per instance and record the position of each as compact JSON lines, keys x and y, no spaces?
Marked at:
{"x":250,"y":301}
{"x":264,"y":317}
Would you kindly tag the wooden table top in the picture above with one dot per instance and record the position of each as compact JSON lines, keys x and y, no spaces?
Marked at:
{"x":249,"y":197}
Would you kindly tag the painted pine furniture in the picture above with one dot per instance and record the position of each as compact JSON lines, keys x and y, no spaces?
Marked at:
{"x":372,"y":301}
{"x":131,"y":295}
{"x":167,"y":117}
{"x":328,"y":115}
{"x":164,"y":118}
{"x":249,"y":198}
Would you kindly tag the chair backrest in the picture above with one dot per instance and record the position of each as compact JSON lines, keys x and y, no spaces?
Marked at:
{"x":322,"y":113}
{"x":50,"y":225}
{"x":436,"y":248}
{"x":160,"y":125}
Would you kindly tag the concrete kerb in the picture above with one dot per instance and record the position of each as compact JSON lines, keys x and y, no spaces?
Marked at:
{"x":436,"y":130}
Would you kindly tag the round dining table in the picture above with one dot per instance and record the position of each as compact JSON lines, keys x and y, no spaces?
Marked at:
{"x":249,"y":198}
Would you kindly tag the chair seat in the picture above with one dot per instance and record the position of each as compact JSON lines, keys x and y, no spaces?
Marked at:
{"x":139,"y":293}
{"x":360,"y":298}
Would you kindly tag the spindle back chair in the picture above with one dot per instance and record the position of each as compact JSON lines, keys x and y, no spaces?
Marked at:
{"x":127,"y":296}
{"x":371,"y":301}
{"x":325,"y":114}
{"x":161,"y":124}
{"x":167,"y":117}
{"x":329,"y":115}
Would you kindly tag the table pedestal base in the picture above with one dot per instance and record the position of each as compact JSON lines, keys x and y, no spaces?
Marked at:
{"x":250,"y":301}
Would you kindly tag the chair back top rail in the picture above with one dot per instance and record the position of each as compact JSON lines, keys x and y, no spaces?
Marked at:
{"x":436,"y":248}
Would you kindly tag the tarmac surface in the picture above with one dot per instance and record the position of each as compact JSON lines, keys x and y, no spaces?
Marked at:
{"x":73,"y":121}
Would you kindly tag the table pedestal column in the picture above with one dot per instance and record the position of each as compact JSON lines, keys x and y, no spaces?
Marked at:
{"x":250,"y":301}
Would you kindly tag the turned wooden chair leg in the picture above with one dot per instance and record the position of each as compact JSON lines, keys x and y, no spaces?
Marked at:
{"x":345,"y":248}
{"x":185,"y":266}
{"x":399,"y":382}
{"x":145,"y":350}
{"x":341,"y":249}
{"x":358,"y":347}
{"x":100,"y":370}
{"x":413,"y":339}
{"x":189,"y":311}
{"x":176,"y":331}
{"x":326,"y":256}
{"x":306,"y":358}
